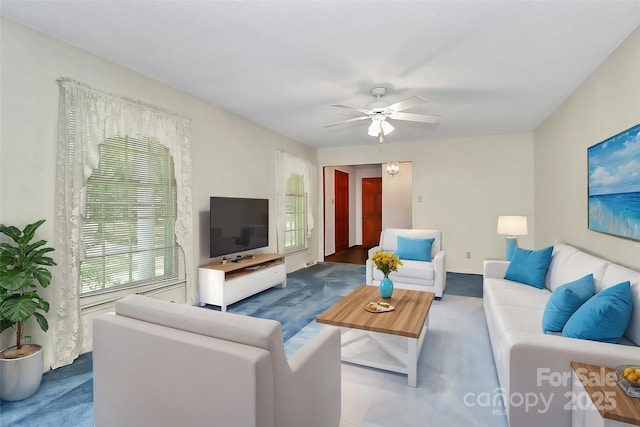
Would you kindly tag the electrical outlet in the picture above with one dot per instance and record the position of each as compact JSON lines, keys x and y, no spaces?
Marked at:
{"x":468,"y":255}
{"x":419,"y":199}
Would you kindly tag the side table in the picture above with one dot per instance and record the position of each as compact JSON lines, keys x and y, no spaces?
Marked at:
{"x":597,"y":400}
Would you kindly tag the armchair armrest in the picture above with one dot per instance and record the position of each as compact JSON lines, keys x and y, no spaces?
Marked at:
{"x":373,"y":251}
{"x":439,"y":273}
{"x":317,"y":363}
{"x":495,"y":269}
{"x":369,"y":265}
{"x":540,"y":364}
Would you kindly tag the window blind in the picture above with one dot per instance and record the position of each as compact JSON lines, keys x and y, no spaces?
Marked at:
{"x":295,"y":214}
{"x":129,"y":219}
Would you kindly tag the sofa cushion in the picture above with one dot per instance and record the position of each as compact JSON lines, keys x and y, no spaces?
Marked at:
{"x":604,"y":317}
{"x":506,"y":292}
{"x":529,"y":266}
{"x":616,"y":274}
{"x":564,"y":301}
{"x":418,"y":272}
{"x":414,"y":249}
{"x":569,"y":264}
{"x":517,"y":318}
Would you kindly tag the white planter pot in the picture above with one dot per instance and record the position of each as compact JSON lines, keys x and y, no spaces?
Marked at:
{"x":20,"y":378}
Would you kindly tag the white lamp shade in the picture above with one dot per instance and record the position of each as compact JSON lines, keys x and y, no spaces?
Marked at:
{"x":386,"y":127}
{"x":512,"y":225}
{"x":374,"y":129}
{"x":380,"y":125}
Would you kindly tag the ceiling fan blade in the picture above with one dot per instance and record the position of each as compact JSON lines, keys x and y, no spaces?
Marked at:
{"x":407,"y":103}
{"x":356,"y":119}
{"x":411,"y":117}
{"x":360,"y":110}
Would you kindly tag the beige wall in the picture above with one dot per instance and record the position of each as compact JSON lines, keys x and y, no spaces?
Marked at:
{"x":465,"y":184}
{"x":231,"y":156}
{"x":607,"y":103}
{"x":397,"y":197}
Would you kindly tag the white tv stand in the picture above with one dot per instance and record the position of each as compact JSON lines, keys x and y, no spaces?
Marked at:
{"x":224,"y":284}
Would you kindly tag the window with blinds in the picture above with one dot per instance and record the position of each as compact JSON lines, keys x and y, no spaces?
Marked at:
{"x":130,"y":213}
{"x":295,"y":236}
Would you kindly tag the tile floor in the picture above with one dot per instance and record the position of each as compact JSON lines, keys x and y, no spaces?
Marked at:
{"x":457,"y":382}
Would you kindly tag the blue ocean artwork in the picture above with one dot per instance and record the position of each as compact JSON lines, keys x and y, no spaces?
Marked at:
{"x":614,"y":185}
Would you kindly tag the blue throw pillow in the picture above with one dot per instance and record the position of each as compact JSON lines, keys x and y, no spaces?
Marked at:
{"x":529,"y":267}
{"x":414,"y":249}
{"x":604,"y":317}
{"x":564,"y":301}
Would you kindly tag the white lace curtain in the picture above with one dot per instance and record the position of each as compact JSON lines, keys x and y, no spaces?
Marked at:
{"x":88,"y":117}
{"x":287,"y":165}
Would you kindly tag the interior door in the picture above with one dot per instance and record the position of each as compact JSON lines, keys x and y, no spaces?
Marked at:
{"x":342,"y":211}
{"x":371,"y":211}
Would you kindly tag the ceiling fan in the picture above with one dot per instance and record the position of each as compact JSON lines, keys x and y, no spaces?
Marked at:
{"x":378,"y":112}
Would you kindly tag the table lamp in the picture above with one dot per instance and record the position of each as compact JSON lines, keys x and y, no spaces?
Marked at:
{"x":512,"y":226}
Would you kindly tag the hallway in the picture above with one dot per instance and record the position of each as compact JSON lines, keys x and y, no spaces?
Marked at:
{"x":353,"y":255}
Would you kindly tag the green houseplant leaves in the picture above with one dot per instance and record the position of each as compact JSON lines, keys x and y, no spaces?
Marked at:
{"x":22,"y":270}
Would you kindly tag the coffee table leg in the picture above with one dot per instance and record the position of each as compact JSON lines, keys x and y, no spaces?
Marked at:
{"x":412,"y":362}
{"x":414,"y":347}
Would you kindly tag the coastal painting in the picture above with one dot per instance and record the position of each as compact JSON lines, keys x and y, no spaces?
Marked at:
{"x":614,"y":185}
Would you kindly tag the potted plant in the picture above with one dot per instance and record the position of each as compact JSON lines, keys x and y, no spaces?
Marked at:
{"x":22,"y":268}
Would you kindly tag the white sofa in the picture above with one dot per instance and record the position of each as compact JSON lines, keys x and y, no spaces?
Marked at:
{"x":415,"y":275}
{"x":533,"y":365}
{"x":157,"y":363}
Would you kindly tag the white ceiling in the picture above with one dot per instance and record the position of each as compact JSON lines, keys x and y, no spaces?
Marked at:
{"x":488,"y":67}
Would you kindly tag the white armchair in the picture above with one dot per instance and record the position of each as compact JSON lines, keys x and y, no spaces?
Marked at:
{"x":157,"y":363}
{"x":415,"y":275}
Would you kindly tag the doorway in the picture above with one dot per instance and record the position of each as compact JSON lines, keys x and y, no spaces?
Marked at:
{"x":341,"y":188}
{"x":343,"y":207}
{"x":371,"y":211}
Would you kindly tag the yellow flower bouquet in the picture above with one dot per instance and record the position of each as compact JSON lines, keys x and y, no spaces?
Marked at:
{"x":386,"y":262}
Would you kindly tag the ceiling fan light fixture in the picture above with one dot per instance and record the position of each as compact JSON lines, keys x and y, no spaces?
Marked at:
{"x":379,"y":112}
{"x":386,"y":127}
{"x":374,"y":128}
{"x":379,"y":126}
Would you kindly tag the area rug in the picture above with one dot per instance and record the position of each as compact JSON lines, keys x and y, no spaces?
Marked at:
{"x":464,"y":285}
{"x":309,"y":292}
{"x":65,"y":397}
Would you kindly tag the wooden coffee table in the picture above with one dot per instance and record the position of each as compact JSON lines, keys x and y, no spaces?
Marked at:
{"x":399,"y":333}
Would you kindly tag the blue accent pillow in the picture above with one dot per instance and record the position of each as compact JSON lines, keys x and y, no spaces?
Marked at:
{"x":564,"y":301}
{"x":604,"y":317}
{"x":414,"y":249}
{"x":529,"y":267}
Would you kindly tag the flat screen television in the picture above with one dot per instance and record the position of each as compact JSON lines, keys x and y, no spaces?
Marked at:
{"x":237,"y":225}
